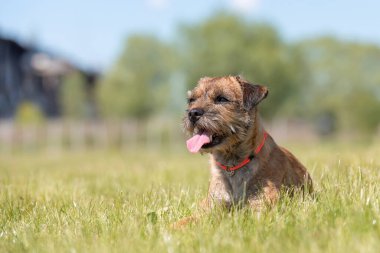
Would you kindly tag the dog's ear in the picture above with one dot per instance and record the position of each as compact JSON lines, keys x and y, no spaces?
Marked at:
{"x":253,"y":94}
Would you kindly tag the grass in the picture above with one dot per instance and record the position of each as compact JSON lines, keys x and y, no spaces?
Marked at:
{"x":116,"y":201}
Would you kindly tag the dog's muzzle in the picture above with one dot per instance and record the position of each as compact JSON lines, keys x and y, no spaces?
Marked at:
{"x":195,"y":114}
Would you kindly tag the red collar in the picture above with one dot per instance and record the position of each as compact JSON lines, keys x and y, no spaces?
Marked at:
{"x":246,"y":160}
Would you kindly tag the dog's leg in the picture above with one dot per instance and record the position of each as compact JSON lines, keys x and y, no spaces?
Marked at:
{"x":182,"y":223}
{"x":267,"y":197}
{"x":219,"y":193}
{"x":204,"y":206}
{"x":218,"y":196}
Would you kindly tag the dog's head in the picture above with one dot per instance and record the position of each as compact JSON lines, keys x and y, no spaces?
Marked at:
{"x":220,"y":112}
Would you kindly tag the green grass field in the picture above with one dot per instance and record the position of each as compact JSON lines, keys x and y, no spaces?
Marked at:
{"x":113,"y":201}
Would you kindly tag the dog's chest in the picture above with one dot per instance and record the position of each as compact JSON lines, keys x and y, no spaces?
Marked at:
{"x":240,"y":180}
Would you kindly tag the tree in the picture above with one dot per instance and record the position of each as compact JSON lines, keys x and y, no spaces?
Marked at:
{"x":344,"y":82}
{"x":226,"y":44}
{"x":73,"y":96}
{"x":137,"y":84}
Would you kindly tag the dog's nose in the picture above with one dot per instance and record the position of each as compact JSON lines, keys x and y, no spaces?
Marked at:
{"x":195,"y":114}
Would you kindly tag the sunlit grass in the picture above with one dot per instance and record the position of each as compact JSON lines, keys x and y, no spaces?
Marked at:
{"x":125,"y":201}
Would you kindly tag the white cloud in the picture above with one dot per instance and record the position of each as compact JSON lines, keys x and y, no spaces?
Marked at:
{"x":245,"y":5}
{"x":158,"y":4}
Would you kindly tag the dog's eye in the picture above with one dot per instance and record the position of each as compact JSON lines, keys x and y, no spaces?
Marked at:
{"x":221,"y":99}
{"x":190,"y":100}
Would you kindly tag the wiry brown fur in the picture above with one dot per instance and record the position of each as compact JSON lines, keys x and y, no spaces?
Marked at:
{"x":237,"y":120}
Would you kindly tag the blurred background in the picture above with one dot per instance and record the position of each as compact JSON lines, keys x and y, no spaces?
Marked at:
{"x":114,"y":74}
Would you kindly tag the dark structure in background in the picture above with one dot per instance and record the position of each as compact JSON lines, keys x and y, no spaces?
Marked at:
{"x":29,"y":74}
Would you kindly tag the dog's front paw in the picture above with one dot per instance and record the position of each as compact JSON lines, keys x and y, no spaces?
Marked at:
{"x":184,"y":222}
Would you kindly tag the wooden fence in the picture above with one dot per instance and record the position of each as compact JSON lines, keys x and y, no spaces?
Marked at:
{"x":153,"y":134}
{"x":90,"y":135}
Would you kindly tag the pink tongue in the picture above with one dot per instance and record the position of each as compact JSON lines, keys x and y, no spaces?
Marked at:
{"x":195,"y":143}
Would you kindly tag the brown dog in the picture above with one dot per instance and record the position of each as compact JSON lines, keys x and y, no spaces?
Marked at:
{"x":247,"y":166}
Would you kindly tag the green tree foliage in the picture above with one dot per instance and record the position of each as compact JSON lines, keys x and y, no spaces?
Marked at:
{"x":364,"y":110}
{"x":137,"y":84}
{"x":73,"y":95}
{"x":326,"y":81}
{"x":29,"y":114}
{"x":227,"y":44}
{"x":344,"y":81}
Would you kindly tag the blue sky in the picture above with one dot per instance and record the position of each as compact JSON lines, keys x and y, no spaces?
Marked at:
{"x":92,"y":32}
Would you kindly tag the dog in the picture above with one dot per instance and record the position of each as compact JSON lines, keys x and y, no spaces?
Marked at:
{"x":247,"y":166}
